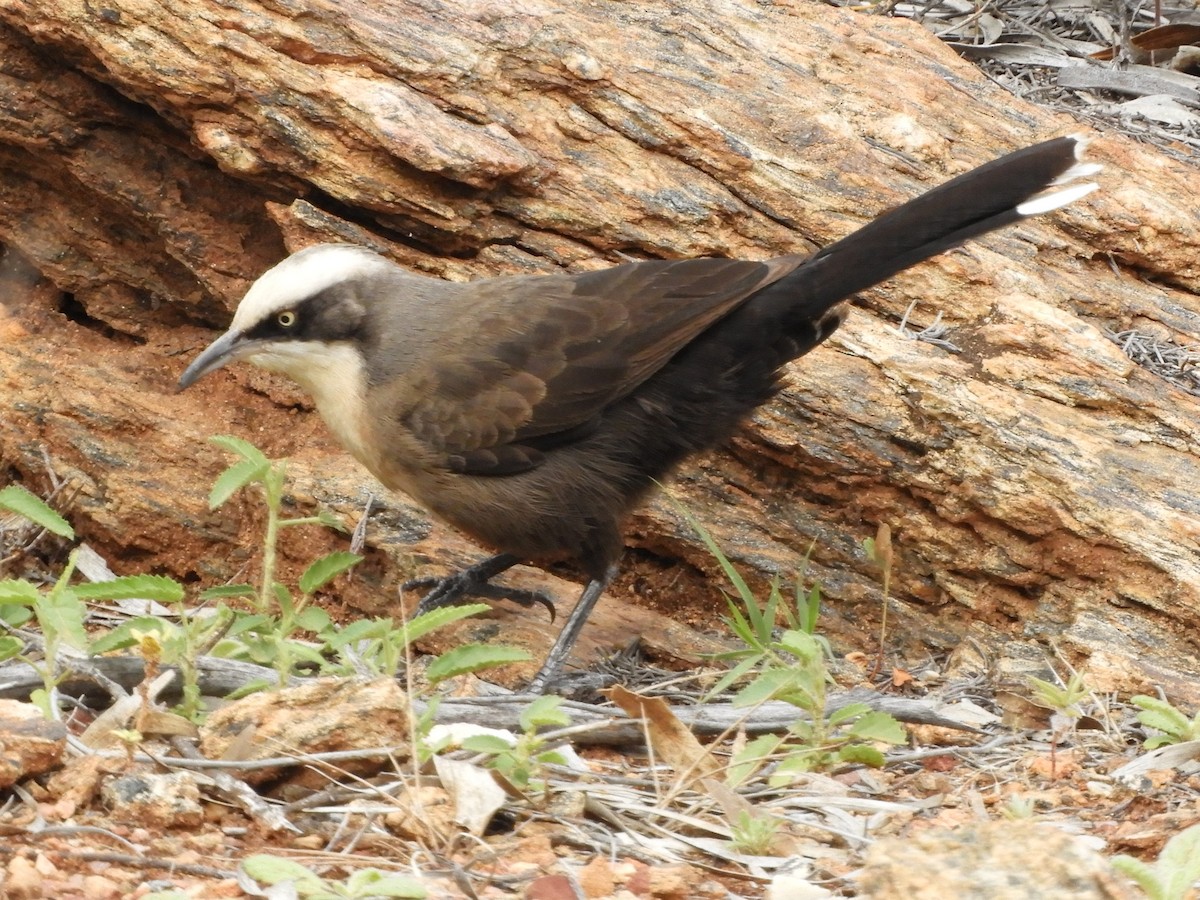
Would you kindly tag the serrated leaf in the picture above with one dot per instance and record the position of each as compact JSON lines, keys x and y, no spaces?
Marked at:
{"x":24,"y":503}
{"x":327,"y":568}
{"x":233,"y":480}
{"x":228,"y":592}
{"x":472,"y":658}
{"x":132,"y":587}
{"x":15,"y":590}
{"x":239,"y":447}
{"x":878,"y":726}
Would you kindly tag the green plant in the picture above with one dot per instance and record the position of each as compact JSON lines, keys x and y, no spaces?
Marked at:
{"x":792,"y":668}
{"x":267,"y":634}
{"x":1160,"y":715}
{"x":1173,"y":874}
{"x":363,"y":884}
{"x":1064,"y":699}
{"x":523,"y":761}
{"x":180,"y":644}
{"x":753,"y":832}
{"x":60,"y":613}
{"x":17,"y":499}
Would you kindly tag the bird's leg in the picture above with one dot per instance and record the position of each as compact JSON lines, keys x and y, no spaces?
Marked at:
{"x":473,"y":582}
{"x":570,"y":632}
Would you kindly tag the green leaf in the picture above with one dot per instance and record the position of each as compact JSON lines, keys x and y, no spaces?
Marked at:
{"x":329,"y":520}
{"x":314,"y":619}
{"x":15,"y":614}
{"x":735,"y":577}
{"x":765,"y":687}
{"x":801,"y":645}
{"x":544,"y":711}
{"x":132,"y":587}
{"x":878,"y":726}
{"x":361,"y":630}
{"x":372,"y":883}
{"x":124,"y":634}
{"x":239,"y":447}
{"x":1161,"y":715}
{"x":19,"y":591}
{"x":62,"y":613}
{"x":10,"y":647}
{"x":41,"y":699}
{"x":229,"y":592}
{"x":486,"y":743}
{"x":1145,"y":876}
{"x":418,"y":627}
{"x":1180,"y":861}
{"x":250,"y":622}
{"x":267,"y":869}
{"x":751,"y":758}
{"x":862,"y":754}
{"x":848,"y":712}
{"x":19,"y":500}
{"x":327,"y":568}
{"x":733,"y":676}
{"x":234,"y":479}
{"x":472,"y":658}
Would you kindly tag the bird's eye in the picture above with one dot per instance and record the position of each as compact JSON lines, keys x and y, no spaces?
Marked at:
{"x":287,"y":318}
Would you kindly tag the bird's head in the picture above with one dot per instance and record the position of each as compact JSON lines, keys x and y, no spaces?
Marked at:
{"x":300,"y":318}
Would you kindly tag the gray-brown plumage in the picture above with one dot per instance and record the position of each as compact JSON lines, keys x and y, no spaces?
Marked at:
{"x":534,"y":412}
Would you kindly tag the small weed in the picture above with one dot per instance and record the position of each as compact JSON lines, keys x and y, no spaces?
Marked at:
{"x":1173,"y":874}
{"x":290,"y":878}
{"x":522,"y":762}
{"x":1160,"y":715}
{"x":792,"y":667}
{"x":753,"y":833}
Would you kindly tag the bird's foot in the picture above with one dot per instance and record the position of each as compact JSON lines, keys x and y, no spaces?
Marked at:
{"x":455,"y":589}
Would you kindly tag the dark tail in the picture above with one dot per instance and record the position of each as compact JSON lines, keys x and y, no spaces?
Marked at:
{"x":1026,"y":183}
{"x":698,"y":398}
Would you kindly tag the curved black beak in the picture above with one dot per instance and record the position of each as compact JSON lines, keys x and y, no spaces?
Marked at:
{"x":224,"y":349}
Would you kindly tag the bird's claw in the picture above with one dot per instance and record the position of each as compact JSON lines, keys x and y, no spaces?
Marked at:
{"x":454,"y":590}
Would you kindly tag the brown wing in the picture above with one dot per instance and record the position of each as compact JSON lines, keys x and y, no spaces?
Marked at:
{"x":545,"y":355}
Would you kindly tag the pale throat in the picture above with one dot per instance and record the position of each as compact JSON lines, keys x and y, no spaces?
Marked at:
{"x":333,"y":374}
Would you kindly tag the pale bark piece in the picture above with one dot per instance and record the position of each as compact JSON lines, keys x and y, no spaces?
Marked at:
{"x":1040,"y":486}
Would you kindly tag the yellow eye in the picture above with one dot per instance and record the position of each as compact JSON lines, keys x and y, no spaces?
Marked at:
{"x":287,"y":318}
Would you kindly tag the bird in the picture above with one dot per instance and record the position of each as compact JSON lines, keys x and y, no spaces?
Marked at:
{"x":534,"y":413}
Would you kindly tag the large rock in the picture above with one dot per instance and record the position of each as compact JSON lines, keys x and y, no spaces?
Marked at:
{"x":1043,"y":488}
